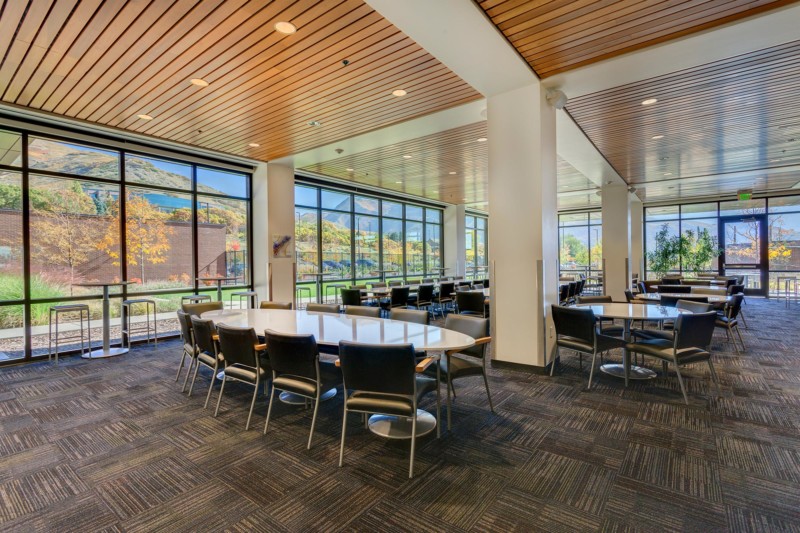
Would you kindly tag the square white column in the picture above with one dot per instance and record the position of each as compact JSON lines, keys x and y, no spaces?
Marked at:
{"x":280,"y":213}
{"x":455,"y":240}
{"x":616,"y":241}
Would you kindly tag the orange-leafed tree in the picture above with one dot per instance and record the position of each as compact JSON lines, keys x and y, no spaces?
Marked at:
{"x":147,"y":234}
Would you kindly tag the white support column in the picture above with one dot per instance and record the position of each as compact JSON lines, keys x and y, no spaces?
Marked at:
{"x":523,"y":224}
{"x":616,"y":241}
{"x":281,"y":272}
{"x":455,"y":240}
{"x":261,"y":242}
{"x":635,"y":221}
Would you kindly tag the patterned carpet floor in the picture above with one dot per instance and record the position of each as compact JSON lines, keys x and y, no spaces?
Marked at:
{"x":113,"y":445}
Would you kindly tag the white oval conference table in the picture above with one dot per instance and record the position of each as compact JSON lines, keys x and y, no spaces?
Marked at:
{"x":329,"y":328}
{"x":629,"y":313}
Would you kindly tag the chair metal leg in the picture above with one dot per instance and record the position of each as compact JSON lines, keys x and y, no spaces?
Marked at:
{"x":252,"y":405}
{"x":744,"y":321}
{"x":219,"y":400}
{"x":189,"y":371}
{"x":741,"y":340}
{"x":438,"y":402}
{"x":313,"y":419}
{"x":180,"y":367}
{"x":344,"y":431}
{"x":714,"y":376}
{"x":194,"y":378}
{"x":211,"y":385}
{"x":269,"y":410}
{"x":680,"y":382}
{"x":732,"y":338}
{"x":449,"y":422}
{"x":553,"y":362}
{"x":488,"y":394}
{"x":413,"y":441}
{"x":591,"y":370}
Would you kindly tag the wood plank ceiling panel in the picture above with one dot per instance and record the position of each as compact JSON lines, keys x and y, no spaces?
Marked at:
{"x":108,"y":62}
{"x":560,"y":35}
{"x":731,"y":116}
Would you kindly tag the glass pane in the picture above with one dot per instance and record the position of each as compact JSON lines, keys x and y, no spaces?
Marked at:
{"x":784,"y":241}
{"x":150,"y":171}
{"x":573,"y":219}
{"x":367,"y":246}
{"x":392,"y":209}
{"x":480,"y":248}
{"x":784,"y":204}
{"x":74,"y":235}
{"x":11,"y":250}
{"x":414,"y":240}
{"x":305,"y":230}
{"x":665,"y":212}
{"x":480,"y":223}
{"x":10,"y":148}
{"x":752,"y":278}
{"x":433,"y":215}
{"x":159,"y":239}
{"x":222,"y":240}
{"x":596,"y":247}
{"x":413,"y":212}
{"x":574,"y":250}
{"x":661,"y":253}
{"x":306,"y":196}
{"x":336,"y":243}
{"x":699,"y":210}
{"x":470,"y":222}
{"x":211,"y":180}
{"x":433,"y":252}
{"x":392,"y":245}
{"x":12,"y":333}
{"x":335,"y":200}
{"x":748,"y":207}
{"x":703,"y":246}
{"x":742,"y":243}
{"x":73,"y":159}
{"x":366,"y":205}
{"x":596,"y":217}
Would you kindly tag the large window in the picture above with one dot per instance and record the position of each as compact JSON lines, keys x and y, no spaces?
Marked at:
{"x":580,"y":244}
{"x":97,"y":213}
{"x":354,"y":236}
{"x":477,"y":252}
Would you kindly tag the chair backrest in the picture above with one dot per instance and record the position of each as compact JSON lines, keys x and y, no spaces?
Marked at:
{"x":733,"y":307}
{"x":186,"y":327}
{"x":471,"y":301}
{"x":395,"y":283}
{"x":486,"y":284}
{"x":204,"y":330}
{"x":276,"y":305}
{"x":410,"y":315}
{"x":477,"y":286}
{"x":363,"y":310}
{"x":202,"y":307}
{"x":296,"y":355}
{"x":669,"y":301}
{"x":708,"y":290}
{"x":427,"y":280}
{"x":446,"y":289}
{"x":323,"y":308}
{"x":629,"y":295}
{"x":581,"y":284}
{"x":378,"y":368}
{"x":694,"y":306}
{"x":562,"y":293}
{"x":697,"y":282}
{"x":594,"y":299}
{"x":359,"y":287}
{"x":465,"y":284}
{"x":670,"y":280}
{"x":575,"y":322}
{"x":675,"y":289}
{"x":642,"y":287}
{"x":735,"y":289}
{"x":572,"y":286}
{"x":237,"y":345}
{"x":378,"y":284}
{"x":472,"y":326}
{"x":694,"y":330}
{"x":425,"y":293}
{"x":351,"y":297}
{"x":399,"y":296}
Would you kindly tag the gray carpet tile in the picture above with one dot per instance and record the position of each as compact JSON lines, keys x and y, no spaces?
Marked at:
{"x":114,"y":445}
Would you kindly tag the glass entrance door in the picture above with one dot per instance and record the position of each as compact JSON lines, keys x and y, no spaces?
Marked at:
{"x":744,"y":252}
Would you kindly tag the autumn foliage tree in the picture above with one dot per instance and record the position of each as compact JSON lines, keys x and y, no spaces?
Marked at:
{"x":147,"y":235}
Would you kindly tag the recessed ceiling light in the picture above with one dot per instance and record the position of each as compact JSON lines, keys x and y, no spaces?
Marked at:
{"x":315,"y":123}
{"x":406,"y":157}
{"x":145,"y":117}
{"x":399,"y":92}
{"x":253,"y":145}
{"x":349,"y":169}
{"x":452,"y":173}
{"x":657,"y":137}
{"x":482,"y":139}
{"x":199,"y":82}
{"x":286,"y":28}
{"x":649,"y":101}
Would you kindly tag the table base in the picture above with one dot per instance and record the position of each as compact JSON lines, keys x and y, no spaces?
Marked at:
{"x":100,"y":353}
{"x":637,"y":372}
{"x":399,"y":427}
{"x":296,"y":399}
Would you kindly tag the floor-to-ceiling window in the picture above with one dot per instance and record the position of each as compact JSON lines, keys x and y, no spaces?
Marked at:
{"x":81,"y":211}
{"x":580,"y":243}
{"x":354,"y":236}
{"x":477,"y":251}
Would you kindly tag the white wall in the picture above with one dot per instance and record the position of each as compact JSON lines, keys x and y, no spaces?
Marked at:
{"x":455,"y":240}
{"x":281,"y":272}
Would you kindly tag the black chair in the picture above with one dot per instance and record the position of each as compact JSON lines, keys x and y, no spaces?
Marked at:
{"x":275,"y":305}
{"x":468,"y":361}
{"x":410,"y":315}
{"x":739,"y":289}
{"x":350,"y":297}
{"x":384,"y":379}
{"x":296,"y":368}
{"x":200,"y":308}
{"x":671,"y":301}
{"x":477,"y":286}
{"x":471,"y":303}
{"x":189,"y":347}
{"x":467,"y":284}
{"x":563,"y":293}
{"x":670,"y":281}
{"x":397,"y":298}
{"x":424,"y":298}
{"x":363,"y":310}
{"x":642,"y":287}
{"x":689,"y":344}
{"x":730,"y":323}
{"x":674,"y":289}
{"x":240,"y":353}
{"x":207,"y":352}
{"x":668,"y":332}
{"x":445,"y":295}
{"x":571,"y":289}
{"x":576,"y":329}
{"x":323,"y":308}
{"x":607,"y":326}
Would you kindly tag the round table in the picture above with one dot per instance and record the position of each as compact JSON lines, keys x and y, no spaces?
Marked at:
{"x":628,"y":313}
{"x":330,"y":328}
{"x":218,"y":281}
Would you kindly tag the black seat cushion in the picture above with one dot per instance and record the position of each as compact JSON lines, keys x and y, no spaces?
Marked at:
{"x":604,"y":342}
{"x":245,"y":373}
{"x":653,"y":334}
{"x":210,"y":359}
{"x":459,"y":367}
{"x":662,"y":349}
{"x":373,"y":402}
{"x":297,"y":384}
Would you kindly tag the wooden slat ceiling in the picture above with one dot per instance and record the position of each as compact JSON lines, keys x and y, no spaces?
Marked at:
{"x":737,"y":115}
{"x":108,"y":61}
{"x":558,"y":35}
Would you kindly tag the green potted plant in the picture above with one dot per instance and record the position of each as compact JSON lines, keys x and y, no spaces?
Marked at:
{"x":666,"y":254}
{"x":698,"y":251}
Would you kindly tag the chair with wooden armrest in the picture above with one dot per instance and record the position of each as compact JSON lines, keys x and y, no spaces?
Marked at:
{"x":207,"y":352}
{"x":323,"y":308}
{"x":240,"y":353}
{"x":362,"y":310}
{"x":275,"y":305}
